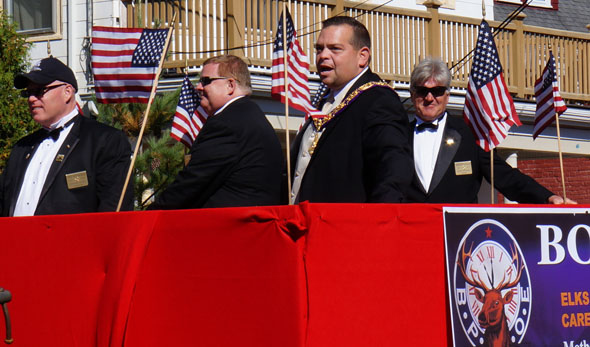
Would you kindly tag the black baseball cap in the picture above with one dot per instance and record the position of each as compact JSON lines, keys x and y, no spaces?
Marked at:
{"x":46,"y":71}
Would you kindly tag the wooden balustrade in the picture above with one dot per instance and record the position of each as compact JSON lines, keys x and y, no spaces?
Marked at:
{"x":401,"y":38}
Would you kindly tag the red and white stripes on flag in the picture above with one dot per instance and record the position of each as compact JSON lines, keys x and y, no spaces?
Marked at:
{"x":190,"y":116}
{"x":489,"y":109}
{"x":549,"y":102}
{"x":125,"y":62}
{"x":298,"y":69}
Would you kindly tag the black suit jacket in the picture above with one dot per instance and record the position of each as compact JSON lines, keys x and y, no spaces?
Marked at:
{"x":100,"y":151}
{"x":363,"y":154}
{"x":235,"y":161}
{"x":458,"y":145}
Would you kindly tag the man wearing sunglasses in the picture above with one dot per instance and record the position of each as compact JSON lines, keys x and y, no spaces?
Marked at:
{"x":72,"y":164}
{"x":449,"y":165}
{"x":359,"y":152}
{"x":236,"y":159}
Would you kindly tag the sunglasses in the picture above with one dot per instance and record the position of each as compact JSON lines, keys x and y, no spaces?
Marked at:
{"x":207,"y":80}
{"x":38,"y":92}
{"x":422,"y":92}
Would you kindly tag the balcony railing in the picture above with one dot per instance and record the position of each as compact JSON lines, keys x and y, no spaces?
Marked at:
{"x":400,"y":37}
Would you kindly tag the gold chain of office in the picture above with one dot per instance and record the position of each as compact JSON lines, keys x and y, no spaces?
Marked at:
{"x":319,"y":122}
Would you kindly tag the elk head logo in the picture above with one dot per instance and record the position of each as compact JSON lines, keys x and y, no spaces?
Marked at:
{"x":492,"y":317}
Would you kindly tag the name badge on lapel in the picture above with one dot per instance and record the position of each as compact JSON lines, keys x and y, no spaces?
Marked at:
{"x":77,"y":180}
{"x":463,"y":168}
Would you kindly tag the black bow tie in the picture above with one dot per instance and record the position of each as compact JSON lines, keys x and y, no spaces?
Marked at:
{"x":54,"y":134}
{"x":424,"y":126}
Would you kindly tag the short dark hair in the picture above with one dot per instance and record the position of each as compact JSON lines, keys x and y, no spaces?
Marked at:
{"x":234,"y":67}
{"x":360,"y":36}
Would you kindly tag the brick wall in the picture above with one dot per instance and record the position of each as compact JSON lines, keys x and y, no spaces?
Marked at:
{"x":547,"y":173}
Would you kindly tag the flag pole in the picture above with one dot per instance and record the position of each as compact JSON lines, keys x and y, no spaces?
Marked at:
{"x":286,"y":65}
{"x":560,"y":155}
{"x":492,"y":174}
{"x":147,"y":111}
{"x":185,"y":150}
{"x":559,"y":141}
{"x":483,"y":13}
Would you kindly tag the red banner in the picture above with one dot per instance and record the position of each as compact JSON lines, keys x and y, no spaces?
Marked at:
{"x":307,"y":275}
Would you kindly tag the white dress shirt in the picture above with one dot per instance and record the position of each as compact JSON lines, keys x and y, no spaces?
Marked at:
{"x":39,"y":166}
{"x":334,"y":98}
{"x":426,"y":146}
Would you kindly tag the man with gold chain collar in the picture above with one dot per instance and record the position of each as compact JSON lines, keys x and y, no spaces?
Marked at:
{"x":359,"y":152}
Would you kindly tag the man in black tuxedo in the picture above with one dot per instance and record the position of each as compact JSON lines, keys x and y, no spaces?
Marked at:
{"x":236,"y":159}
{"x":449,"y":165}
{"x":73,"y":164}
{"x":359,"y":152}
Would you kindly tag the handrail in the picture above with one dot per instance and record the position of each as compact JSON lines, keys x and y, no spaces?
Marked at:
{"x":401,"y":37}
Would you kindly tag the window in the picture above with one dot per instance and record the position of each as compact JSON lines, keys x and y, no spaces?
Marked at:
{"x":535,"y":3}
{"x":34,"y":17}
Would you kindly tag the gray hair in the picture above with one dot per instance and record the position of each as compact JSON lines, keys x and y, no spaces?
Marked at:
{"x":430,"y":68}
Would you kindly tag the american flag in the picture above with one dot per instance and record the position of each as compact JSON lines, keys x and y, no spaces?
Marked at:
{"x":297,"y":73}
{"x":489,"y":109}
{"x":125,"y":62}
{"x":548,"y":99}
{"x":189,"y":117}
{"x":319,"y":95}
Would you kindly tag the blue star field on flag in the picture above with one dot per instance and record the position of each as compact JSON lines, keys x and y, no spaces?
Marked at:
{"x":189,"y":97}
{"x":319,"y":95}
{"x":278,"y":44}
{"x":486,"y":63}
{"x":150,"y":47}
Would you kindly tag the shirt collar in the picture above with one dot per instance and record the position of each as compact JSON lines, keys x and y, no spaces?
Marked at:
{"x":227,"y":104}
{"x":64,"y":120}
{"x":437,"y":121}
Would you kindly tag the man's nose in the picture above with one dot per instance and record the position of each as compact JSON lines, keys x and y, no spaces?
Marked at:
{"x":321,"y":53}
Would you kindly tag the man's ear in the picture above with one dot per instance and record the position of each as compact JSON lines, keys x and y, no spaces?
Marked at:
{"x":70,"y":92}
{"x":364,"y":57}
{"x":232,"y":85}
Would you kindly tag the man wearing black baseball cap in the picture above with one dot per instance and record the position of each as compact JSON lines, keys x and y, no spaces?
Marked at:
{"x":73,"y":164}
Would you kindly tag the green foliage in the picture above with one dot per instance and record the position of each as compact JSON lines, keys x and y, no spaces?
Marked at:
{"x":160,"y":157}
{"x":156,"y":167}
{"x":15,"y":119}
{"x":129,"y":116}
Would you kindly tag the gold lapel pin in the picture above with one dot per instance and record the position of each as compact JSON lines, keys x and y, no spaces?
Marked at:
{"x":59,"y":158}
{"x":450,"y":141}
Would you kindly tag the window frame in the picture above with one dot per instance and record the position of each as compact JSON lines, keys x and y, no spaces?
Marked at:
{"x":548,"y":4}
{"x":44,"y":34}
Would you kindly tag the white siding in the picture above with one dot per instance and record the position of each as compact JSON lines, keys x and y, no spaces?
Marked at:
{"x":464,"y":8}
{"x":105,"y":12}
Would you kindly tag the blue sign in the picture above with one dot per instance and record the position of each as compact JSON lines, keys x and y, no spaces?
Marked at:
{"x":518,"y":276}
